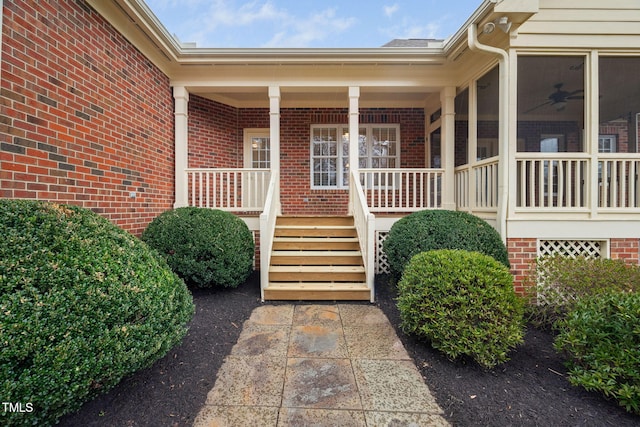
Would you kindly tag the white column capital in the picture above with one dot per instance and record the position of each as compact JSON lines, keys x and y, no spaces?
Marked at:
{"x":274,"y":91}
{"x":354,"y":91}
{"x":180,"y":92}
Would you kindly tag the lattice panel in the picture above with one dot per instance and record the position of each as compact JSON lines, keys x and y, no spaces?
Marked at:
{"x":570,"y":248}
{"x":382,"y":265}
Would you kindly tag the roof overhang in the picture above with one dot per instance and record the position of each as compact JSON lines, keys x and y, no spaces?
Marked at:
{"x":389,"y":76}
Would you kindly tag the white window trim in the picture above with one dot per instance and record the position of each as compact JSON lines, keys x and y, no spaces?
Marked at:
{"x":339,"y":159}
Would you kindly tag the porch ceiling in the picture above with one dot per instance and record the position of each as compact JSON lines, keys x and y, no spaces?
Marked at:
{"x":318,"y":96}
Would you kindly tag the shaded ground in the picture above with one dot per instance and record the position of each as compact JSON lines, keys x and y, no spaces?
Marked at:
{"x":529,"y":390}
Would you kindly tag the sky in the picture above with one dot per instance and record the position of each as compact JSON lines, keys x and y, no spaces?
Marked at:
{"x":309,"y":23}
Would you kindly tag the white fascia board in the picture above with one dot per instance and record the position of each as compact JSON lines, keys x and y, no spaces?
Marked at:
{"x":573,"y":229}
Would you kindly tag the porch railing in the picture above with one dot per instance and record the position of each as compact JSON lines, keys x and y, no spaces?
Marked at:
{"x":238,"y":190}
{"x":476,"y":186}
{"x":552,"y":181}
{"x":618,"y":186}
{"x":565,"y":181}
{"x":364,"y":222}
{"x":272,"y":209}
{"x":402,"y":189}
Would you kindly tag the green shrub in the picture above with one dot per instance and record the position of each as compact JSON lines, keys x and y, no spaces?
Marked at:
{"x":463,"y":302}
{"x":559,"y":281}
{"x":83,"y":304}
{"x":205,"y":247}
{"x":601,"y":335}
{"x":440,"y":229}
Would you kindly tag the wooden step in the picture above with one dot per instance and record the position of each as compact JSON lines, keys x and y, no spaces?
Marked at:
{"x":317,"y":243}
{"x":314,"y":291}
{"x":315,"y":220}
{"x":316,"y":257}
{"x":315,"y":231}
{"x":310,"y":273}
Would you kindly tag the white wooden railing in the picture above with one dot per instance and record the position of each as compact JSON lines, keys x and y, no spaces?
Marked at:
{"x":552,"y":181}
{"x":272,"y":209}
{"x":476,"y":186}
{"x":618,"y":181}
{"x":402,"y":190}
{"x":486,"y":179}
{"x":238,"y":190}
{"x":364,"y":222}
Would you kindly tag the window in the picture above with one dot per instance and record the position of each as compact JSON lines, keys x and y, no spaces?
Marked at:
{"x":607,"y":144}
{"x":379,"y":147}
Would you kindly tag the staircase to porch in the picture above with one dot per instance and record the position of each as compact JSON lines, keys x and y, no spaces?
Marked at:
{"x":316,"y":258}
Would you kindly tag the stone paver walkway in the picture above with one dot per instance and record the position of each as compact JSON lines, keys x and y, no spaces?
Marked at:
{"x":319,"y":365}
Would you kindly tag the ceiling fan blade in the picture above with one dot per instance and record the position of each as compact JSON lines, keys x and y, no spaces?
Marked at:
{"x":575,"y":97}
{"x":538,"y":106}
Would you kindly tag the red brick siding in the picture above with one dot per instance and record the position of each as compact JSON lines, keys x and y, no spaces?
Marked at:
{"x":522,"y":254}
{"x":214,"y":139}
{"x":84,"y":117}
{"x":627,"y":249}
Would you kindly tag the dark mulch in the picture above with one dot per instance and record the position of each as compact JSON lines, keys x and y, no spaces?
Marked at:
{"x":529,"y":390}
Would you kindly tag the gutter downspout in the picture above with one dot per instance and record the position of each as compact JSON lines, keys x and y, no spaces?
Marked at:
{"x":503,"y":113}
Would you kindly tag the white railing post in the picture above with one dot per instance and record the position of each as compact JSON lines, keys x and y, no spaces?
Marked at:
{"x":268,"y":218}
{"x":364,"y":222}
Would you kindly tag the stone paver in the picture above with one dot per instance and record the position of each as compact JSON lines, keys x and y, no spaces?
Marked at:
{"x":319,"y":365}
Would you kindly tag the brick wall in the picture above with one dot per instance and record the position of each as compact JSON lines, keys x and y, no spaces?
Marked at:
{"x":211,"y":144}
{"x":627,"y":249}
{"x":214,"y":137}
{"x":85,"y":118}
{"x":522,"y":254}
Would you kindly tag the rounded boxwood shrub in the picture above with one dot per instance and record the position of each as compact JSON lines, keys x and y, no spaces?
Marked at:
{"x":206,"y":247}
{"x":440,"y":229}
{"x":601,"y":335}
{"x":83,"y":303}
{"x":463,"y":303}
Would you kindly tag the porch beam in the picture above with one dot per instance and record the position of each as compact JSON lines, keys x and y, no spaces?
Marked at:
{"x":274,"y":126}
{"x":447,"y":146}
{"x":354,"y":128}
{"x":181,"y":141}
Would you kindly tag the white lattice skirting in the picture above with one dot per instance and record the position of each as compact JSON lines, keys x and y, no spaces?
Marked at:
{"x":382,"y":265}
{"x":571,"y":248}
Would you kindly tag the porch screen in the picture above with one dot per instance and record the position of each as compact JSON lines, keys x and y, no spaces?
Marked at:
{"x":378,"y":145}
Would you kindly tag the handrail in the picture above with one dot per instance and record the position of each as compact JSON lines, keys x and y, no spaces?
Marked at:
{"x":272,"y":209}
{"x":364,"y":222}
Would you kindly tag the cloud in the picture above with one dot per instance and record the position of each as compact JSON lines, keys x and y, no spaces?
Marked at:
{"x":390,"y":10}
{"x":235,"y":23}
{"x":303,"y":32}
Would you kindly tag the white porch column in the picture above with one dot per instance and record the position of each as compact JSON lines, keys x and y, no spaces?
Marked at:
{"x":354,"y":128}
{"x":274,"y":126}
{"x":447,"y":146}
{"x":181,"y":97}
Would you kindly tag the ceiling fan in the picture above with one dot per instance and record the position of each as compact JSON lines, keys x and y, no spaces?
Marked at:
{"x":559,"y":98}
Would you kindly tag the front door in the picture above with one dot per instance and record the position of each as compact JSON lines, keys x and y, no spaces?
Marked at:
{"x":257,"y":155}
